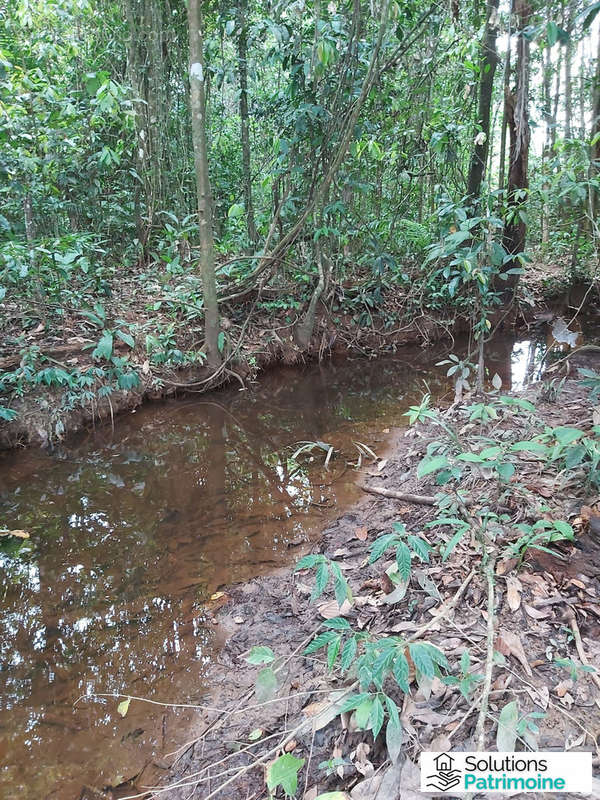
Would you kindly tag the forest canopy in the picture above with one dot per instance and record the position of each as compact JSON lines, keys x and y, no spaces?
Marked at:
{"x":379,"y":160}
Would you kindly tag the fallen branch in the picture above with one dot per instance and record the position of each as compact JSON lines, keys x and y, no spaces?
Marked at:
{"x":572,"y":620}
{"x":489,"y":660}
{"x":418,"y":499}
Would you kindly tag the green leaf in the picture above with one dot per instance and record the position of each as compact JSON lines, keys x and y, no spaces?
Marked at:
{"x":393,"y":733}
{"x":564,"y":528}
{"x":332,"y":796}
{"x":566,"y":435}
{"x":490,"y":452}
{"x":465,"y":662}
{"x":307,"y":562}
{"x":333,"y":650}
{"x":354,"y":701}
{"x":363,"y":713}
{"x":377,"y":717}
{"x":429,"y":465}
{"x":451,"y":544}
{"x":104,"y":347}
{"x":422,"y":659}
{"x":420,"y":546}
{"x":436,"y":655}
{"x":471,"y":457}
{"x":7,"y":414}
{"x":266,"y":685}
{"x":321,"y":579}
{"x":221,"y":341}
{"x":260,"y":655}
{"x":574,"y":456}
{"x":320,"y":641}
{"x":517,"y":401}
{"x":505,"y":470}
{"x":348,"y":653}
{"x":403,"y":559}
{"x":337,"y":623}
{"x":402,"y":672}
{"x":235,"y":211}
{"x":123,"y":707}
{"x":380,"y":545}
{"x":530,"y":446}
{"x":506,"y":735}
{"x":284,"y":773}
{"x":126,"y":337}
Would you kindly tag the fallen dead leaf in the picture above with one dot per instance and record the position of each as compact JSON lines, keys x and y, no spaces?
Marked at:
{"x":513,"y":593}
{"x":291,"y":745}
{"x":505,"y":565}
{"x":239,"y":620}
{"x":509,"y":644}
{"x":563,"y":687}
{"x":332,"y":609}
{"x":537,"y":613}
{"x":361,"y":533}
{"x":567,"y":700}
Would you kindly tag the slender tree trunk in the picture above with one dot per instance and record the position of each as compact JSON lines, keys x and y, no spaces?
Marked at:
{"x":556,"y":100}
{"x":568,"y":76}
{"x":506,"y":86}
{"x":594,"y":196}
{"x":205,"y":210}
{"x":487,"y":70}
{"x":547,"y":78}
{"x":29,"y":222}
{"x":245,"y":120}
{"x":141,"y":145}
{"x":517,"y":114}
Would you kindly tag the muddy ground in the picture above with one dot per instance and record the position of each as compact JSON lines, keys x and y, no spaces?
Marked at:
{"x":535,"y":605}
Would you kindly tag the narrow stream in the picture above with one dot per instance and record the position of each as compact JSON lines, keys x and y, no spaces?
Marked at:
{"x":131,"y":531}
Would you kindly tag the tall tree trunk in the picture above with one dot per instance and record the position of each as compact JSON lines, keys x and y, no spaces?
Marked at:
{"x":244,"y":119}
{"x":546,"y":150}
{"x":487,"y":70}
{"x":517,"y":114}
{"x":506,"y":86}
{"x":594,"y":196}
{"x":141,"y":146}
{"x":205,"y":210}
{"x":568,"y":77}
{"x":556,"y":100}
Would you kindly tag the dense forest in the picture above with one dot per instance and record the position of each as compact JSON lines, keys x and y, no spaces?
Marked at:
{"x":188,"y":188}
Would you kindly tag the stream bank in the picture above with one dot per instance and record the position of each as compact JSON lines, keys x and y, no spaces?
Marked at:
{"x":546,"y":627}
{"x":54,"y":381}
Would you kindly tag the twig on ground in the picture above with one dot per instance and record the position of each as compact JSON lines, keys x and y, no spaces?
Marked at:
{"x":572,"y":620}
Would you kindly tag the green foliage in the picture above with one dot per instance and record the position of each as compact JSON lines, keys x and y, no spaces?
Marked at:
{"x":284,"y":772}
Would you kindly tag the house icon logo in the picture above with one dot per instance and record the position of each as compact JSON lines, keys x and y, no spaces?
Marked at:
{"x":445,"y":777}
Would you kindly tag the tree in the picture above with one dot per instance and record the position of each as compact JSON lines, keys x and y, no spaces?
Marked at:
{"x":487,"y":70}
{"x":242,"y":53}
{"x":203,"y":188}
{"x":517,"y":116}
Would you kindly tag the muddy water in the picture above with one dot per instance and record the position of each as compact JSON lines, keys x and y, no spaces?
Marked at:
{"x":131,"y":531}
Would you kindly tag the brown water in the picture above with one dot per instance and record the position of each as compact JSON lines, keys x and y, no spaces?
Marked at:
{"x":131,"y":532}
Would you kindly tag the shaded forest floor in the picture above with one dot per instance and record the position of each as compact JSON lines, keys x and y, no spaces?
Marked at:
{"x":64,"y":367}
{"x":547,"y":625}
